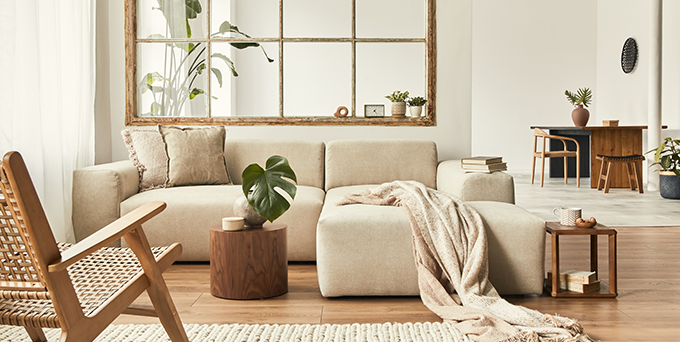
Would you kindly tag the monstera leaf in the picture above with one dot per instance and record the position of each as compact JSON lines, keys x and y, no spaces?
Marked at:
{"x":260,"y":185}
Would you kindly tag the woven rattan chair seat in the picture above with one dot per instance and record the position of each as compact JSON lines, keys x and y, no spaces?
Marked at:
{"x":629,"y":158}
{"x":95,"y":279}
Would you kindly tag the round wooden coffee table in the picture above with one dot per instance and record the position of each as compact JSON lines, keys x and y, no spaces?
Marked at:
{"x":250,"y":263}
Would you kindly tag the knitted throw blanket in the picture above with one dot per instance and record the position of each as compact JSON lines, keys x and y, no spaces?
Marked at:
{"x":450,"y":250}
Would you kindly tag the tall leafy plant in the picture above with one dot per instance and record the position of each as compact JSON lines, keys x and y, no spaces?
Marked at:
{"x":184,"y":62}
{"x":667,"y":155}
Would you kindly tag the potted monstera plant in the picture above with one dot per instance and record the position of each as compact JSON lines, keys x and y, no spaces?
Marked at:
{"x":667,"y":156}
{"x":261,"y":201}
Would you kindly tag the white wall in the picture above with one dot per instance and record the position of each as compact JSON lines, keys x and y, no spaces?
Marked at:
{"x":502,"y":66}
{"x":624,"y":96}
{"x":452,"y":132}
{"x":525,"y":54}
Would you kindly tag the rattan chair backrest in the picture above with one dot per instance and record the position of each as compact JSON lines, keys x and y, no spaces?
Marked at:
{"x":20,"y":250}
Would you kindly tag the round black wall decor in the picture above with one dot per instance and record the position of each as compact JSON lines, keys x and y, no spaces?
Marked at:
{"x":629,"y":55}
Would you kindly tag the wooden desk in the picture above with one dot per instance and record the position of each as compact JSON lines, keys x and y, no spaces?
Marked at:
{"x":611,"y":141}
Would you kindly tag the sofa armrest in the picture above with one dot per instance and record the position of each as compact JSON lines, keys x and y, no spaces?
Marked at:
{"x":475,"y":186}
{"x":97,"y":193}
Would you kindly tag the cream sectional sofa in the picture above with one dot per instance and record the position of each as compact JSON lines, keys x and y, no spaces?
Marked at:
{"x":359,"y":249}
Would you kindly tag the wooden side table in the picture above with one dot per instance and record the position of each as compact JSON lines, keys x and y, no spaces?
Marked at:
{"x":250,"y":263}
{"x":555,"y":229}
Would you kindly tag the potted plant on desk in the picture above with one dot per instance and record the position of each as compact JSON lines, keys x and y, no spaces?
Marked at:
{"x":667,"y":156}
{"x":262,"y":202}
{"x":581,"y":99}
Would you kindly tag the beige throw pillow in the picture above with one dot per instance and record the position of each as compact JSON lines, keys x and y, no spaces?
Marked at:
{"x":147,"y":153}
{"x":195,"y":155}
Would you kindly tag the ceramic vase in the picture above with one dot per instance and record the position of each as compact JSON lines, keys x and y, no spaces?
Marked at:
{"x":580,"y":116}
{"x":398,"y":109}
{"x":416,"y":111}
{"x":243,"y":209}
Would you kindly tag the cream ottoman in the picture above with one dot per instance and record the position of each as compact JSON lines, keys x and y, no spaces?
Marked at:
{"x":365,"y":250}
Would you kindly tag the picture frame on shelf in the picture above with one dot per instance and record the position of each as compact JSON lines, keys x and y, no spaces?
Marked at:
{"x":374,"y":110}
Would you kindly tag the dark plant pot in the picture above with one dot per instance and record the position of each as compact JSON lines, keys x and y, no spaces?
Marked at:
{"x":580,"y":116}
{"x":669,"y":186}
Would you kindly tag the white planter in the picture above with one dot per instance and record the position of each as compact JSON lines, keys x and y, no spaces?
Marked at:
{"x":416,"y":111}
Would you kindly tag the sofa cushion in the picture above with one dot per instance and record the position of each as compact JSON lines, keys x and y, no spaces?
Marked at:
{"x":357,"y":162}
{"x":365,"y":250}
{"x":306,"y":157}
{"x":195,"y":155}
{"x":147,"y":153}
{"x":192,"y":210}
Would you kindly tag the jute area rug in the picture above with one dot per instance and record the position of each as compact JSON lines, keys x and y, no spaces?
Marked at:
{"x":403,"y":332}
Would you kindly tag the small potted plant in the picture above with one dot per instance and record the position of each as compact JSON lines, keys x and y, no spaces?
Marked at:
{"x":261,"y":201}
{"x":667,"y":156}
{"x":581,"y":99}
{"x":416,"y":105}
{"x":398,"y":100}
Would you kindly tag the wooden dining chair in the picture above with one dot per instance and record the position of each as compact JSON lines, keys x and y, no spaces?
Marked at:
{"x":539,"y":133}
{"x":80,"y":288}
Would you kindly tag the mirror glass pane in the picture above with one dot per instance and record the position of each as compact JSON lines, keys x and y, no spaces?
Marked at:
{"x":255,"y":92}
{"x":317,"y":78}
{"x":257,"y":18}
{"x":168,"y":81}
{"x":170,"y":20}
{"x":390,"y":19}
{"x":314,"y":18}
{"x":385,"y":67}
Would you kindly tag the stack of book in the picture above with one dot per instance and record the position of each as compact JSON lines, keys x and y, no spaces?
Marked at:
{"x":576,"y":281}
{"x":483,"y":164}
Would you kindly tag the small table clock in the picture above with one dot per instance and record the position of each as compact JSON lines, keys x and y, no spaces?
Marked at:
{"x":374,"y":110}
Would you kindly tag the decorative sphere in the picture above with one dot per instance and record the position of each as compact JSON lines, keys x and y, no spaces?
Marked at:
{"x":243,"y":209}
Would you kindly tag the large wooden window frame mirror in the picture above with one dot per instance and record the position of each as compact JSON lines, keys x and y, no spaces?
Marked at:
{"x":176,"y":84}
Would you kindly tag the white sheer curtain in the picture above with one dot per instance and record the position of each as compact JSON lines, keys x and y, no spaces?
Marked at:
{"x":47,"y":85}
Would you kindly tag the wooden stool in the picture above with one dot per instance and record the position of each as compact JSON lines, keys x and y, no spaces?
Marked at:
{"x":634,"y":175}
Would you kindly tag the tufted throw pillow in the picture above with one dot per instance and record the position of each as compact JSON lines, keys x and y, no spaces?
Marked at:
{"x":147,"y":153}
{"x":195,"y":155}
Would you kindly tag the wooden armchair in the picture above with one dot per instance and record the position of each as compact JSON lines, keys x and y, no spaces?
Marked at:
{"x":79,"y":288}
{"x":539,"y":133}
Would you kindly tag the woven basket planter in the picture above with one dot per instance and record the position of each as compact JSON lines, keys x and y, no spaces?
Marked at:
{"x":398,"y":109}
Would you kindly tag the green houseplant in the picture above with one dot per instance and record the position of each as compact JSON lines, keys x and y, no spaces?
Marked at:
{"x":260,"y":187}
{"x":416,"y":105}
{"x":580,"y":99}
{"x":398,"y":100}
{"x":667,"y":156}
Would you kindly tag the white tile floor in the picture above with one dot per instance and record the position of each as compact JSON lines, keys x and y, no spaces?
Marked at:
{"x":618,"y":208}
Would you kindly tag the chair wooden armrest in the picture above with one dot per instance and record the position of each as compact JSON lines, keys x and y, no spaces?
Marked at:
{"x":107,"y":235}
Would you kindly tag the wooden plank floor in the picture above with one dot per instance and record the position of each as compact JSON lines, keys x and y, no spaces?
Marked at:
{"x":647,"y":308}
